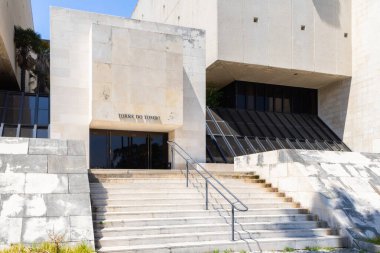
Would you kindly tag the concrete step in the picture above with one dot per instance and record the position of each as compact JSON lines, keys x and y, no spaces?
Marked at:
{"x":208,"y":236}
{"x":179,"y":185}
{"x":172,"y":207}
{"x":192,"y":213}
{"x":246,"y":245}
{"x":190,"y":200}
{"x":200,"y":220}
{"x":199,"y":228}
{"x":183,"y":190}
{"x":164,"y":174}
{"x":172,"y":180}
{"x":176,"y":195}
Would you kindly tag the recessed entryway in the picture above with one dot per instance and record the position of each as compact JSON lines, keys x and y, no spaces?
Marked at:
{"x":128,"y":150}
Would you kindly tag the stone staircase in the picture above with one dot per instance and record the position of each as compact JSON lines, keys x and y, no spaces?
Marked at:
{"x":153,"y":211}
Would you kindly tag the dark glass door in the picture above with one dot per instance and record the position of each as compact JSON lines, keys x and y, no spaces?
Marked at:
{"x":128,"y":150}
{"x":158,"y":151}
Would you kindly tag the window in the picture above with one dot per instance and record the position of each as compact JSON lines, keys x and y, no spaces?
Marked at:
{"x":24,"y":114}
{"x":29,"y":110}
{"x":26,"y":132}
{"x":286,"y":102}
{"x":278,"y":99}
{"x":10,"y":131}
{"x":260,"y":98}
{"x":250,"y":97}
{"x":270,"y":98}
{"x":13,"y":109}
{"x":42,"y":132}
{"x":2,"y":104}
{"x":43,"y":111}
{"x":241,"y":96}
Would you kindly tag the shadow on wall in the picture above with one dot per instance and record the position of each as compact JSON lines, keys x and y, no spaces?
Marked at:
{"x":333,"y":105}
{"x":328,"y":11}
{"x":359,"y":220}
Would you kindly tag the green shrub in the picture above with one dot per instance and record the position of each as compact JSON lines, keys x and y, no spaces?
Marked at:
{"x":288,"y":249}
{"x":317,"y":248}
{"x":48,"y":247}
{"x":375,"y":240}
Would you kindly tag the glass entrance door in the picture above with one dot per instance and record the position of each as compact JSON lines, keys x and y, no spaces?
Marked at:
{"x":128,"y":150}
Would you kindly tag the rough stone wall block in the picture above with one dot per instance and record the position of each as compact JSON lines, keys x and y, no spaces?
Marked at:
{"x":14,"y":146}
{"x":342,"y":188}
{"x":44,"y":189}
{"x":67,"y":164}
{"x":23,"y":163}
{"x":76,"y":148}
{"x":47,"y":147}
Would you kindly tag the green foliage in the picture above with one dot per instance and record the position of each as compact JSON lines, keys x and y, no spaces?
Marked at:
{"x":215,"y":251}
{"x":288,"y":249}
{"x":374,"y":240}
{"x":32,"y":54}
{"x":42,"y":68}
{"x":48,"y":247}
{"x":213,"y":97}
{"x":317,"y":248}
{"x":228,"y":251}
{"x":243,"y":251}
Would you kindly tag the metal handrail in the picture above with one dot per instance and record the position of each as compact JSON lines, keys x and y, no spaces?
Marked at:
{"x":189,"y":160}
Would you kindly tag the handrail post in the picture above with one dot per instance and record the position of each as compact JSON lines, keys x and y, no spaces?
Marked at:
{"x":233,"y":222}
{"x":173,"y":166}
{"x":187,"y":173}
{"x":206,"y":194}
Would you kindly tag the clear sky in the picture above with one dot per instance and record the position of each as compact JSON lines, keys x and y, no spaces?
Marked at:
{"x":41,"y":14}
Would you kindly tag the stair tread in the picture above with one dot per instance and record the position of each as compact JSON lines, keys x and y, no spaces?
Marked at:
{"x":219,"y":242}
{"x":216,"y":217}
{"x":200,"y":210}
{"x":211,"y":233}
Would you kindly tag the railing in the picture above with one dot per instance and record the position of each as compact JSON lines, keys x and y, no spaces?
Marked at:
{"x":209,"y":180}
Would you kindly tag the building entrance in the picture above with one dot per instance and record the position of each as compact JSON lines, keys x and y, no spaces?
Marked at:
{"x":128,"y":150}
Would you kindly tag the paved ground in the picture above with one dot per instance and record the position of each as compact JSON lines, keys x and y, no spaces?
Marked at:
{"x":321,"y":251}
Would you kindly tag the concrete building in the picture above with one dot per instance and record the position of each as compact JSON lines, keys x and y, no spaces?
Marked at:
{"x":291,"y":128}
{"x":12,"y":13}
{"x":311,"y":44}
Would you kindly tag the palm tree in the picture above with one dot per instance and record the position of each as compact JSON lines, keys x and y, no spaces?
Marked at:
{"x":42,"y":68}
{"x":27,"y":42}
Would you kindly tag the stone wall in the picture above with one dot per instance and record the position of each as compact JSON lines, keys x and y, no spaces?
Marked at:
{"x":44,"y":189}
{"x":342,"y":188}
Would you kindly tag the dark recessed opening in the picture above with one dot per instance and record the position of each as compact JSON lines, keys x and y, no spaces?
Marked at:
{"x":303,"y":27}
{"x":345,"y":35}
{"x":255,"y":19}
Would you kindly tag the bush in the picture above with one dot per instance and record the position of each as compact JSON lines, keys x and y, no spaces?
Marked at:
{"x":48,"y":247}
{"x":375,"y":240}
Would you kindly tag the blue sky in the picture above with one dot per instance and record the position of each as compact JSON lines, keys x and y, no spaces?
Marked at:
{"x":41,"y":14}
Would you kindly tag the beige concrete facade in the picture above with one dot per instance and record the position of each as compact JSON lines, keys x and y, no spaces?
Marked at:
{"x":139,"y":73}
{"x":263,"y":40}
{"x":12,"y":13}
{"x":104,"y":68}
{"x":328,"y":45}
{"x":352,"y":107}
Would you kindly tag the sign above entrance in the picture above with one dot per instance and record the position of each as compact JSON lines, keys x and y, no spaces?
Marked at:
{"x":138,"y":116}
